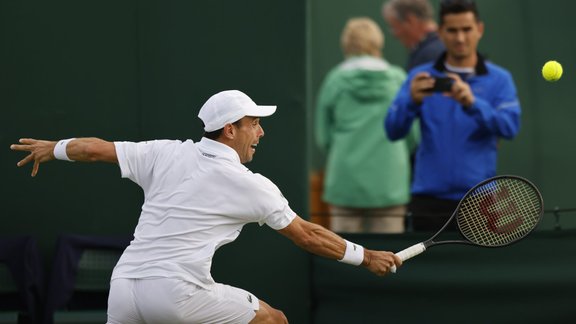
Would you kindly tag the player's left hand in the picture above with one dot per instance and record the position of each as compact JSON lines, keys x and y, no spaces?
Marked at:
{"x":40,"y":151}
{"x":461,"y":91}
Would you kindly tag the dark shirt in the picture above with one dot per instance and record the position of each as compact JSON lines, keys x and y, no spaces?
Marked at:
{"x":429,"y":49}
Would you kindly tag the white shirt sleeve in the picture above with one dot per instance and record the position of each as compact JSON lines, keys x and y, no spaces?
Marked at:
{"x":136,"y":160}
{"x":277,"y":212}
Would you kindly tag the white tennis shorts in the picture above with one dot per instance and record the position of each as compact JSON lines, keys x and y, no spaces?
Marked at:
{"x":166,"y":300}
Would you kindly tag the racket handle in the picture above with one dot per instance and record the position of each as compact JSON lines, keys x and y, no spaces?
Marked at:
{"x":408,"y":253}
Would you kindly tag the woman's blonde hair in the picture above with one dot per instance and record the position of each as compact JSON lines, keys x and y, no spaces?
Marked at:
{"x":362,"y":36}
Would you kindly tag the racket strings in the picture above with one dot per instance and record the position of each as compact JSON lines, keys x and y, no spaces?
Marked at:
{"x":499,"y":212}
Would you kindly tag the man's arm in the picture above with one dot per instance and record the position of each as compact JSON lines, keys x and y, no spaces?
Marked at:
{"x":323,"y":242}
{"x":88,"y":149}
{"x":407,"y":104}
{"x":499,"y":114}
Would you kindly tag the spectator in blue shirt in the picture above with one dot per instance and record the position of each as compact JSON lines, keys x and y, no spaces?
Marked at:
{"x":461,"y":125}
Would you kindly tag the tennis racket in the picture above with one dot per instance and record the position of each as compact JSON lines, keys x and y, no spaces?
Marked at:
{"x":497,"y":212}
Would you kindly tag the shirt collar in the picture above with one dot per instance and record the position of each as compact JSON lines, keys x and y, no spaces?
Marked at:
{"x":480,"y":67}
{"x":216,"y":149}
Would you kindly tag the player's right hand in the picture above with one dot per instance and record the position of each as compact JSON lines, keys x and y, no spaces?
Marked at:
{"x":380,"y":262}
{"x":420,"y":86}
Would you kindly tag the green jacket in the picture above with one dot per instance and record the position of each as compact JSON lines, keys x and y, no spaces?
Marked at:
{"x":363,"y":167}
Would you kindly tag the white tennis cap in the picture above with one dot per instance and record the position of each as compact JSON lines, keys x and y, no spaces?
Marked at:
{"x":229,"y":106}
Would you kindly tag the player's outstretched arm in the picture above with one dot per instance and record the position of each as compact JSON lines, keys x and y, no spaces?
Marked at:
{"x":81,"y":149}
{"x":323,"y":242}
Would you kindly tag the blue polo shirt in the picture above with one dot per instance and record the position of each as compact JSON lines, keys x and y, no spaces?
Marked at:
{"x":459,"y":145}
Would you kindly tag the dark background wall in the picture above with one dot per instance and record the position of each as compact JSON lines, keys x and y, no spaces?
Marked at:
{"x":136,"y":70}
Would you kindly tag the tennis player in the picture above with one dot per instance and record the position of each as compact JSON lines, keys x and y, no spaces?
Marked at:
{"x":198,"y":196}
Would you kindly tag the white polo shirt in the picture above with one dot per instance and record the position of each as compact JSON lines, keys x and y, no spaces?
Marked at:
{"x":198,"y":196}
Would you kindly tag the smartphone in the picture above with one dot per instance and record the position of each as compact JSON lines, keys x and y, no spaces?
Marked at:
{"x":442,"y":84}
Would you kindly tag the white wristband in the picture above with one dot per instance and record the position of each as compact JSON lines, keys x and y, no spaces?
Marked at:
{"x":60,"y":150}
{"x":354,"y":253}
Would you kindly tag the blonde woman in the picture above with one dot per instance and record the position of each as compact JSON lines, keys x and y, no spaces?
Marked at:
{"x":367,"y":177}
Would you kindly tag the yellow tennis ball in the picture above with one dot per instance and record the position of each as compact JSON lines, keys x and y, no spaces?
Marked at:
{"x":552,"y":71}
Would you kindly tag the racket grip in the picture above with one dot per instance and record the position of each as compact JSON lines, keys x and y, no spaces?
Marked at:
{"x":408,"y":253}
